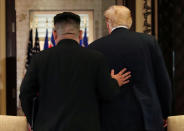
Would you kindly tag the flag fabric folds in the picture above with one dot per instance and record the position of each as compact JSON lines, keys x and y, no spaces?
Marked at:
{"x":81,"y":43}
{"x":36,"y":48}
{"x":52,"y":40}
{"x":85,"y":38}
{"x":50,"y":45}
{"x":84,"y":41}
{"x":46,"y":43}
{"x":29,"y":49}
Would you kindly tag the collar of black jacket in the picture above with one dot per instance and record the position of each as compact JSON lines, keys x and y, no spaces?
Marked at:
{"x":68,"y":43}
{"x":120,"y":29}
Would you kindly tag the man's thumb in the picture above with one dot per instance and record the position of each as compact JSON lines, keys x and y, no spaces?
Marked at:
{"x":112,"y":72}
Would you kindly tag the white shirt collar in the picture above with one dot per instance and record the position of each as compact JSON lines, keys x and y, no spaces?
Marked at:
{"x":119,"y":27}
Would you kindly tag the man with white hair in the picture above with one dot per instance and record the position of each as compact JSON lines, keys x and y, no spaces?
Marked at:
{"x":146,"y":100}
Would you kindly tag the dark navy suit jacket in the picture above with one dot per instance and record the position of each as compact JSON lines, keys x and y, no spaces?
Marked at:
{"x":146,"y":100}
{"x":70,"y":80}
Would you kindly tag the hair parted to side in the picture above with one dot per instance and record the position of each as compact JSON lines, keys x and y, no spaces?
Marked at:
{"x":67,"y":22}
{"x":119,"y":16}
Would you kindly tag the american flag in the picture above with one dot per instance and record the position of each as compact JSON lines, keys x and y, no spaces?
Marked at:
{"x":36,"y":48}
{"x":29,"y":49}
{"x":46,"y":43}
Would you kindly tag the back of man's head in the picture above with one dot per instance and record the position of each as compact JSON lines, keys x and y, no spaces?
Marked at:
{"x":67,"y":23}
{"x":118,"y":16}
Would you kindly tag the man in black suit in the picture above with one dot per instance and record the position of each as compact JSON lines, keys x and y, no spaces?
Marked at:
{"x":69,"y":81}
{"x":146,"y":101}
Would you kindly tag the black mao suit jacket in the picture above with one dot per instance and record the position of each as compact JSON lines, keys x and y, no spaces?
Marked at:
{"x":69,"y":81}
{"x":146,"y":100}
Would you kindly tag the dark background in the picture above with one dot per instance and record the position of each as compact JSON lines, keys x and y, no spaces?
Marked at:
{"x":171,"y":39}
{"x":11,"y":76}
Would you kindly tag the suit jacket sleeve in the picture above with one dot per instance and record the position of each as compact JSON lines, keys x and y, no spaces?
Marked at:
{"x":163,"y":83}
{"x":107,"y":87}
{"x":29,"y":89}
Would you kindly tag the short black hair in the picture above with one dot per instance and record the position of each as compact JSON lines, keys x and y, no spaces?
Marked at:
{"x":67,"y":17}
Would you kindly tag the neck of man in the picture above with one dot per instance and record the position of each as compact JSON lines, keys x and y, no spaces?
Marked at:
{"x":67,"y":36}
{"x":120,"y":26}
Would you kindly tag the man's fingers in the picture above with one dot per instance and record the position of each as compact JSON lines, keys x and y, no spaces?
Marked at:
{"x":126,"y":77}
{"x":112,"y":72}
{"x":122,"y":77}
{"x":165,"y":125}
{"x":122,"y":71}
{"x":125,"y":82}
{"x":126,"y":74}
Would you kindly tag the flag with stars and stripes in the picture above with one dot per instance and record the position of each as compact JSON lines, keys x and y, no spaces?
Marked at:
{"x":29,"y":49}
{"x":36,"y":48}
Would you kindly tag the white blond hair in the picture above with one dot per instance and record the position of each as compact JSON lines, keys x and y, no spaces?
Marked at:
{"x":118,"y":15}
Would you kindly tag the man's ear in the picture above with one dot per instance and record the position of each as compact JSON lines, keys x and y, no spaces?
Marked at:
{"x":55,"y":35}
{"x":80,"y":35}
{"x":108,"y":26}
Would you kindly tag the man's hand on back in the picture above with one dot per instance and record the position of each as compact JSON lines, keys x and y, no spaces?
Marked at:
{"x":121,"y":77}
